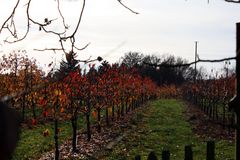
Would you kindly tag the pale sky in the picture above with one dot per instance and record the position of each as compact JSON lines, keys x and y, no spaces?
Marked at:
{"x":162,"y":27}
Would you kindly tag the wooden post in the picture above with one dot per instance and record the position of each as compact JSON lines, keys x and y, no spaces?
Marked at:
{"x":165,"y":155}
{"x":238,"y":94}
{"x":56,"y":139}
{"x":234,"y":104}
{"x":137,"y":157}
{"x":88,"y":119}
{"x":113,"y":112}
{"x":188,"y":153}
{"x":57,"y":153}
{"x":210,"y":150}
{"x":99,"y":119}
{"x":74,"y":132}
{"x":122,"y":107}
{"x":152,"y":156}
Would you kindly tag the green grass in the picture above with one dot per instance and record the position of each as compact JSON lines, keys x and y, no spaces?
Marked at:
{"x":162,"y":126}
{"x":32,"y":143}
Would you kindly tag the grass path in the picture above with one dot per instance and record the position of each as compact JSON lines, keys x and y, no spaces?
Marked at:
{"x":156,"y":127}
{"x":162,"y":126}
{"x":32,"y":143}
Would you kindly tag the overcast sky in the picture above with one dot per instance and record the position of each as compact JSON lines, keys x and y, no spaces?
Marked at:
{"x":162,"y":27}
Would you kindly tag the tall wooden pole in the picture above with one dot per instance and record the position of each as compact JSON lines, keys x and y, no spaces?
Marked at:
{"x":195,"y":68}
{"x":237,"y":108}
{"x":234,"y":104}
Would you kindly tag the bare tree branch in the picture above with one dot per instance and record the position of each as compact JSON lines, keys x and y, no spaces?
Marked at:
{"x":60,"y":49}
{"x":63,"y":19}
{"x":233,"y":1}
{"x":28,"y":25}
{"x":63,"y":49}
{"x":11,"y":15}
{"x":48,"y":49}
{"x":191,"y":63}
{"x":46,"y":24}
{"x":80,"y":49}
{"x":89,"y":60}
{"x":79,"y":21}
{"x":10,"y":31}
{"x":120,"y":1}
{"x":64,"y":40}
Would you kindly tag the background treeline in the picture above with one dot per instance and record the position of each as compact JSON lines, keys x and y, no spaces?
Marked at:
{"x":163,"y":75}
{"x":171,"y":75}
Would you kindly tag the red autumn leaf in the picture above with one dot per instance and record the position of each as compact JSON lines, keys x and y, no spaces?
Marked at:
{"x":45,"y":113}
{"x":34,"y":122}
{"x":42,"y":102}
{"x":94,"y":114}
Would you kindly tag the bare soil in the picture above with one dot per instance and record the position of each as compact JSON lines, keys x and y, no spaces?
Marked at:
{"x":205,"y":127}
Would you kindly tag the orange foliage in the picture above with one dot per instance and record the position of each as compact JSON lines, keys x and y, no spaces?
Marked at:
{"x":168,"y":91}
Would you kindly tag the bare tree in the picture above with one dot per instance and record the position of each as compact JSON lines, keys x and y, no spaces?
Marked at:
{"x":65,"y":37}
{"x":132,"y":58}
